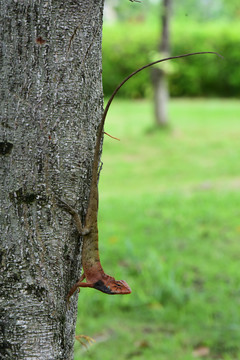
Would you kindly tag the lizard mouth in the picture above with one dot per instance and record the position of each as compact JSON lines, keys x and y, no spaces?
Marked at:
{"x":122,"y":286}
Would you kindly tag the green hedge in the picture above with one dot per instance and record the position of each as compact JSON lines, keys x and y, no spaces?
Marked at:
{"x":129,"y":46}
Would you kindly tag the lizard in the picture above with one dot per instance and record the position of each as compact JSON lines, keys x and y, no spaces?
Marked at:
{"x":92,"y":269}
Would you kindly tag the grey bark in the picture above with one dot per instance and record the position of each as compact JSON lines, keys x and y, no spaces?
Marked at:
{"x":160,"y":82}
{"x":51,"y":104}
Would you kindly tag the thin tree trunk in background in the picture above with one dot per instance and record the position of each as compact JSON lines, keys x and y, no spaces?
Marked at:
{"x":51,"y":104}
{"x":160,"y":82}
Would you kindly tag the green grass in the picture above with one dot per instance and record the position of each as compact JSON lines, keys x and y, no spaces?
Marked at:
{"x":169,"y":224}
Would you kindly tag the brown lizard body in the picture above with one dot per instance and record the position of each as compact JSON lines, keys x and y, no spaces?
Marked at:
{"x":93,"y":271}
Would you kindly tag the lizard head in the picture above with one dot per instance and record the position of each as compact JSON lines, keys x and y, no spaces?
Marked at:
{"x":111,"y":286}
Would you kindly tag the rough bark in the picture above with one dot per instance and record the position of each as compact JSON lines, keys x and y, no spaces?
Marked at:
{"x":51,"y":104}
{"x":160,"y":82}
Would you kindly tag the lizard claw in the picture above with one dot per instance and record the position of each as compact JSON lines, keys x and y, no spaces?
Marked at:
{"x":87,"y":338}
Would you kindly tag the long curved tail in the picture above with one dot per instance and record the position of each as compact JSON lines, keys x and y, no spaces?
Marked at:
{"x":146,"y":66}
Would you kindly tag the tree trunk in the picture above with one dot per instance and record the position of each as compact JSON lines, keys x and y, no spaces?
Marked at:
{"x":159,"y":76}
{"x":51,"y":104}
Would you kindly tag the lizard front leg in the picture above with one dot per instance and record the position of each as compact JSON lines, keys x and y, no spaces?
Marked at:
{"x":78,"y":284}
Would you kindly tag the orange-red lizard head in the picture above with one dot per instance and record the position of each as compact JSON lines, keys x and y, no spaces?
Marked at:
{"x":112,"y":287}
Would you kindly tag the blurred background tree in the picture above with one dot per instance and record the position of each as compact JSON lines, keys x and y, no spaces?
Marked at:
{"x":201,"y":9}
{"x":159,"y":75}
{"x":196,"y":26}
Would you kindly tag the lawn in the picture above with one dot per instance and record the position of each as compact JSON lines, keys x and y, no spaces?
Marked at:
{"x":169,"y":223}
